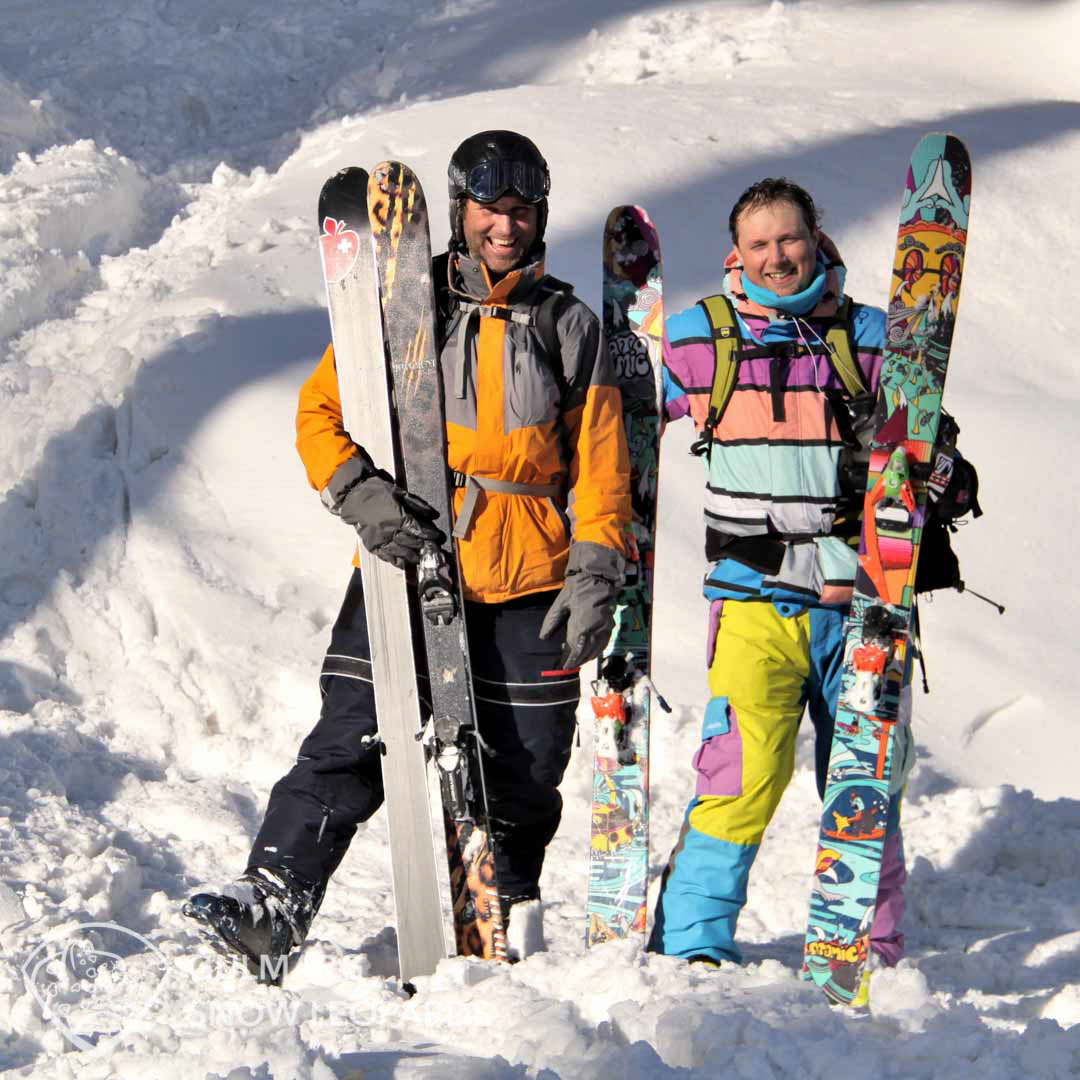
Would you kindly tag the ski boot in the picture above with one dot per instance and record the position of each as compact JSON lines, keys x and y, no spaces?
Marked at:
{"x":861,"y":1000}
{"x":261,"y":917}
{"x":523,"y":918}
{"x":703,"y":960}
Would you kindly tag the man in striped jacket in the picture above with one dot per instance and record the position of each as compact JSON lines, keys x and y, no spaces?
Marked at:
{"x":780,"y":443}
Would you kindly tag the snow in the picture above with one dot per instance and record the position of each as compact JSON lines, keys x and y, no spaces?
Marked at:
{"x":168,"y":578}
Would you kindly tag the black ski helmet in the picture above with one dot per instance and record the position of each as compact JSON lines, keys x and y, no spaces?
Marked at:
{"x":488,"y":165}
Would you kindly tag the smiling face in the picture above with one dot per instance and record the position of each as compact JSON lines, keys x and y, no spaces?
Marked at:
{"x":777,"y":249}
{"x":500,"y":233}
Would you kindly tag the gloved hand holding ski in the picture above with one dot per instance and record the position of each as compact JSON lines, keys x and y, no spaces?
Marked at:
{"x":393,"y":523}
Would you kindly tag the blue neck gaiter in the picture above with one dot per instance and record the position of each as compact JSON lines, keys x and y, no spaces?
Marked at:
{"x":800,"y":303}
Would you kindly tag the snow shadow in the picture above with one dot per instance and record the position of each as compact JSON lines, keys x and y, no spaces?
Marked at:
{"x":76,"y":506}
{"x":1001,"y":916}
{"x":56,"y":785}
{"x":21,"y":687}
{"x":20,"y":1051}
{"x":387,"y":1064}
{"x":79,"y":767}
{"x":243,"y":84}
{"x":863,"y":173}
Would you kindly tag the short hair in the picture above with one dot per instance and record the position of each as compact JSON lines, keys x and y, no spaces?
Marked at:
{"x":771,"y":190}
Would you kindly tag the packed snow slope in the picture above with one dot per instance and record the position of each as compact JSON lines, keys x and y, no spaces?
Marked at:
{"x":168,"y":578}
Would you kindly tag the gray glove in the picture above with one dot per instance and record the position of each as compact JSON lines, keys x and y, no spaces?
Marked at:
{"x":585,"y":605}
{"x":393,"y":524}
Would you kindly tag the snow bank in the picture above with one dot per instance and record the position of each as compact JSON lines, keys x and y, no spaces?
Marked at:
{"x":26,"y":125}
{"x":168,"y":578}
{"x":688,"y":44}
{"x":60,"y":212}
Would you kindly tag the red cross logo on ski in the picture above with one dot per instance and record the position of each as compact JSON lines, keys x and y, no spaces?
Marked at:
{"x":340,"y":246}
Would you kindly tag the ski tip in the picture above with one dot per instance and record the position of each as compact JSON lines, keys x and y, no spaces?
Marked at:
{"x":394,"y":189}
{"x":629,"y":210}
{"x":343,"y":197}
{"x":348,"y":177}
{"x":631,"y":246}
{"x":395,"y":172}
{"x":947,"y":139}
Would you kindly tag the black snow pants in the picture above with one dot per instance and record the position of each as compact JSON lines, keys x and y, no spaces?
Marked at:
{"x":525,"y":718}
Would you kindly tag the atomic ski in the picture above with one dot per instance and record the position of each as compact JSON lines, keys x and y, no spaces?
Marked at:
{"x":623,"y":693}
{"x":877,"y":652}
{"x":399,"y":224}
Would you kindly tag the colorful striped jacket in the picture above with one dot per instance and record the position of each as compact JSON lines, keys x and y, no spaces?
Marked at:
{"x":772,"y":487}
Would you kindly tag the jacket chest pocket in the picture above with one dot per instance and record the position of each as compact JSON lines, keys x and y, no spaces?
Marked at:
{"x":532,"y":394}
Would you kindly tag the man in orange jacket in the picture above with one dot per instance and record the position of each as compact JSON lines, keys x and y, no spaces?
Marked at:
{"x":536,"y":445}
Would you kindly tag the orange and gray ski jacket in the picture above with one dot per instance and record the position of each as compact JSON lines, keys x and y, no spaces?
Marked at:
{"x":536,"y":443}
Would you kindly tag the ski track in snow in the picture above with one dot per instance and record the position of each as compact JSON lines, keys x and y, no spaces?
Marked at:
{"x":168,"y":579}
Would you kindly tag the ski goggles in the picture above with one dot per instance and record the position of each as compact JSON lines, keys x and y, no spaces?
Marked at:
{"x":491,"y":180}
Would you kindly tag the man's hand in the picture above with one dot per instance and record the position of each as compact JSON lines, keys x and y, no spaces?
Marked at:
{"x":393,"y":523}
{"x":585,"y":605}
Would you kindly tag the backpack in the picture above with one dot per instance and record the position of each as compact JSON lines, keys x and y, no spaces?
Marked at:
{"x":953,"y":483}
{"x":952,"y":492}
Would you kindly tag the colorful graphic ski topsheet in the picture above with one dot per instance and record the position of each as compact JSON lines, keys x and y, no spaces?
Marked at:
{"x":622,"y":694}
{"x":399,"y":225}
{"x":926,"y":278}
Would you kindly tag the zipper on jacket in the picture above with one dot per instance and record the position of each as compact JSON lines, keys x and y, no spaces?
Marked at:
{"x":778,"y":364}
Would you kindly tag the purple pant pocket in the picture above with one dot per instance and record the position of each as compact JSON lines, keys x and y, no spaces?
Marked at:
{"x":718,"y":762}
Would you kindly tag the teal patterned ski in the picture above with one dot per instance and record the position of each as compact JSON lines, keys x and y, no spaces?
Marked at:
{"x":926,"y":278}
{"x":623,"y":693}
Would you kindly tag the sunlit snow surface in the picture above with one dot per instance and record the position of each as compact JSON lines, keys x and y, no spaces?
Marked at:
{"x":168,"y":578}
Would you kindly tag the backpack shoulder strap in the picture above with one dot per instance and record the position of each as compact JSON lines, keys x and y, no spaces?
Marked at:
{"x":727,"y":342}
{"x":545,"y":318}
{"x":842,"y":351}
{"x":547,"y":314}
{"x":446,"y":309}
